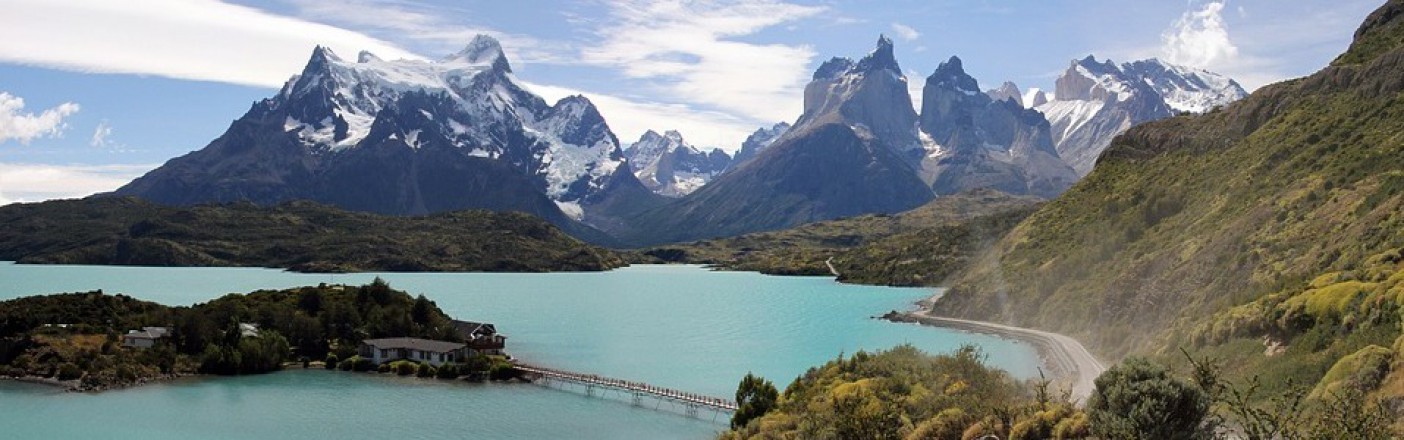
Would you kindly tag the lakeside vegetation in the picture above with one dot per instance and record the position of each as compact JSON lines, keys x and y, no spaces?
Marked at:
{"x":300,"y":236}
{"x":78,"y":336}
{"x":915,"y":248}
{"x":905,"y":394}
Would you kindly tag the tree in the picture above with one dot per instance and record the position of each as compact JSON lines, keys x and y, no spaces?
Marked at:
{"x":422,"y":310}
{"x":1138,"y":399}
{"x":310,"y":301}
{"x":755,"y":396}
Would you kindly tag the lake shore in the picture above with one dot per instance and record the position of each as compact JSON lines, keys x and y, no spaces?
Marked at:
{"x":1064,"y":357}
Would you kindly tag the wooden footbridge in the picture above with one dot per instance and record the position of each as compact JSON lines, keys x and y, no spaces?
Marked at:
{"x":690,"y":403}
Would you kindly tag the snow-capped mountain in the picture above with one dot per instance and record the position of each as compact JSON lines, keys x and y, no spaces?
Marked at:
{"x":1186,"y":89}
{"x":976,"y":141}
{"x":1096,"y":101}
{"x":757,"y":142}
{"x":669,"y":166}
{"x":406,"y":137}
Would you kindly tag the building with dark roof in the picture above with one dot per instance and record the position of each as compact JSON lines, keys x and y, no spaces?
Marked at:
{"x":481,"y":337}
{"x":419,"y":350}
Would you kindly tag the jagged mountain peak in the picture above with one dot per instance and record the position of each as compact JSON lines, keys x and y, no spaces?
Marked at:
{"x":880,"y":58}
{"x":833,"y":68}
{"x":950,"y":75}
{"x":667,"y":165}
{"x":1007,"y":92}
{"x":483,"y":49}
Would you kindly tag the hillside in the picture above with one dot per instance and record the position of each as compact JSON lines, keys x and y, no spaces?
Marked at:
{"x":1184,"y":219}
{"x":301,"y":236}
{"x":940,"y":235}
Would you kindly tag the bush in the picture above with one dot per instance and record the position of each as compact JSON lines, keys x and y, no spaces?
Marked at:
{"x":425,"y":370}
{"x":447,"y":371}
{"x":404,"y":368}
{"x":502,"y":370}
{"x":1138,"y":399}
{"x":69,"y":371}
{"x":361,"y":364}
{"x":331,"y":361}
{"x":755,"y":396}
{"x":346,"y":364}
{"x":383,"y":368}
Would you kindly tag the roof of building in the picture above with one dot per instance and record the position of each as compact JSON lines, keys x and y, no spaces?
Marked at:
{"x":414,"y":344}
{"x":147,"y":333}
{"x":471,"y":330}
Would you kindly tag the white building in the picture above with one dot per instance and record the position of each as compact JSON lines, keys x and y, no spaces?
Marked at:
{"x":414,"y":349}
{"x":144,"y":338}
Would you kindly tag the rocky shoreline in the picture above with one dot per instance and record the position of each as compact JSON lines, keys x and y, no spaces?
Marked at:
{"x":77,"y":385}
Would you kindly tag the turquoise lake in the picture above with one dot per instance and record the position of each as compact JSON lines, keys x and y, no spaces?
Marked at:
{"x":682,"y":327}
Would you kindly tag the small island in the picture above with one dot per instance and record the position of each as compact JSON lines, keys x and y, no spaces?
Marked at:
{"x":94,"y":341}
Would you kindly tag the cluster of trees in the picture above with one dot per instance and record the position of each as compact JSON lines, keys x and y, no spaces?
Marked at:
{"x":905,"y":394}
{"x":301,"y":323}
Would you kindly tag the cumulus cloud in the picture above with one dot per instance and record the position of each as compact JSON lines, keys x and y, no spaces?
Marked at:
{"x":906,"y":32}
{"x":1199,"y":38}
{"x":204,"y":40}
{"x":36,"y":182}
{"x":18,"y":125}
{"x":100,"y":134}
{"x":690,"y":52}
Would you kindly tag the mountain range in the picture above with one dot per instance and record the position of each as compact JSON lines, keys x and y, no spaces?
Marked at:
{"x":411,"y":137}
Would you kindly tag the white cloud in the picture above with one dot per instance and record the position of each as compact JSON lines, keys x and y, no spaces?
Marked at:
{"x":906,"y":32}
{"x":629,"y":119}
{"x":100,"y":134}
{"x":24,"y":127}
{"x":688,"y":51}
{"x":1199,"y":38}
{"x":37,"y":182}
{"x":188,"y":39}
{"x":438,"y":29}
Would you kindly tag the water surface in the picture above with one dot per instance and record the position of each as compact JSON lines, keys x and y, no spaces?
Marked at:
{"x":682,"y":327}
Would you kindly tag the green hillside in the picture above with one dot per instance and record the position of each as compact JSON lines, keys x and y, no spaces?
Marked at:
{"x":868,"y":249}
{"x":1197,"y":232}
{"x":301,"y":236}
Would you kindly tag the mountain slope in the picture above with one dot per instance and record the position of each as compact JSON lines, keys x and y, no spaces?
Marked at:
{"x":298,"y":235}
{"x":669,"y":166}
{"x":406,"y":137}
{"x":845,"y":156}
{"x":1189,"y":216}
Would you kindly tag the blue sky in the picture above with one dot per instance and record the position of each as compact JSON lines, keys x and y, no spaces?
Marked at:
{"x":95,"y":92}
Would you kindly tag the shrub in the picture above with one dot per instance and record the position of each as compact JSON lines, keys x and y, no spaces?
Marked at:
{"x":1138,"y":399}
{"x":362,"y":364}
{"x":331,"y":361}
{"x":346,"y":364}
{"x":425,"y":370}
{"x":755,"y":396}
{"x":447,"y":371}
{"x":501,"y":370}
{"x":404,"y":368}
{"x":383,"y":368}
{"x":69,"y":371}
